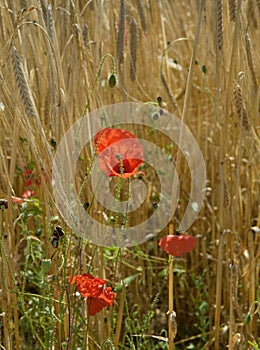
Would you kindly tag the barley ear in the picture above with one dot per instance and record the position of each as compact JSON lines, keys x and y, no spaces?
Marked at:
{"x":121,"y":33}
{"x":141,"y":15}
{"x":226,"y":195}
{"x":240,"y":107}
{"x":22,"y":83}
{"x":232,"y":6}
{"x":133,"y":44}
{"x":250,"y":60}
{"x":219,"y":24}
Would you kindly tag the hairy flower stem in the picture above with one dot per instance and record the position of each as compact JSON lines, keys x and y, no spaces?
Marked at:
{"x":171,"y":296}
{"x":98,"y":75}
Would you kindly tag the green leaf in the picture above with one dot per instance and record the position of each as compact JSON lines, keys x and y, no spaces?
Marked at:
{"x":126,"y":282}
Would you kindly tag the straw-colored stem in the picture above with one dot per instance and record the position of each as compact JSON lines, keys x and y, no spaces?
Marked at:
{"x":218,"y":290}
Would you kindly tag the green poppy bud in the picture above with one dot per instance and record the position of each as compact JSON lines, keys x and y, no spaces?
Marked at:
{"x":112,"y":80}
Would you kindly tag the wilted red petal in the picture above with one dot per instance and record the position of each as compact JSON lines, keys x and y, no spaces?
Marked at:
{"x":177,"y":245}
{"x":115,"y":144}
{"x":95,"y":305}
{"x":106,"y":298}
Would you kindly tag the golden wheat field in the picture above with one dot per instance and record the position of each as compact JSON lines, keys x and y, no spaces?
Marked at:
{"x":86,"y":261}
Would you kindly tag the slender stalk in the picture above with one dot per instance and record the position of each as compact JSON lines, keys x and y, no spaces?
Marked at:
{"x":171,"y":296}
{"x":218,"y":289}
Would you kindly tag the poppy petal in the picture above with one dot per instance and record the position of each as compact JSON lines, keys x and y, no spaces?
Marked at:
{"x":177,"y":245}
{"x":118,"y":149}
{"x":88,"y":285}
{"x":106,"y":298}
{"x":95,"y":305}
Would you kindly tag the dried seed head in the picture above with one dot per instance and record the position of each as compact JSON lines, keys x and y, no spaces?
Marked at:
{"x":250,"y":60}
{"x":141,"y":15}
{"x":226,"y":195}
{"x":172,"y":324}
{"x":133,"y":44}
{"x":219,"y":24}
{"x":22,"y":82}
{"x":232,"y":6}
{"x":239,"y":105}
{"x":85,"y":34}
{"x":121,"y":33}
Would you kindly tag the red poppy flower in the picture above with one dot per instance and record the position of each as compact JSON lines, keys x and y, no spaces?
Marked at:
{"x":88,"y":285}
{"x":26,"y":195}
{"x":106,"y":298}
{"x":177,"y":245}
{"x":27,"y":174}
{"x":120,"y":152}
{"x":30,"y":177}
{"x":93,"y":289}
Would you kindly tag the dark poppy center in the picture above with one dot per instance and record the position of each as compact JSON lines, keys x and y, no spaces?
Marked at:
{"x":126,"y":167}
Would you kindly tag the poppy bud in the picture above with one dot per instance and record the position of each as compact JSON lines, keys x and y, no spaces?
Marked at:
{"x":3,"y":204}
{"x":204,"y":69}
{"x":118,"y":157}
{"x":247,"y":319}
{"x":53,"y":143}
{"x":112,"y":80}
{"x":45,"y":265}
{"x":86,"y":205}
{"x":155,"y":116}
